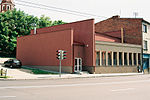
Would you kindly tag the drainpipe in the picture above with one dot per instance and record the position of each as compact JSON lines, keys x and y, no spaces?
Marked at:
{"x":73,"y":59}
{"x":142,"y":50}
{"x":122,"y":38}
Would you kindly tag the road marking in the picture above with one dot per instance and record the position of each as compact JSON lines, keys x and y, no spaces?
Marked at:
{"x":118,"y":90}
{"x":71,"y":85}
{"x":7,"y":96}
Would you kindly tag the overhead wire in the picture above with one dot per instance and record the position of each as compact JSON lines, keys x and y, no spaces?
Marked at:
{"x":49,"y":9}
{"x":62,"y":10}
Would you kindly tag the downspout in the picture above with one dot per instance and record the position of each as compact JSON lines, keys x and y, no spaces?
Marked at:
{"x":142,"y":49}
{"x":73,"y":58}
{"x":122,"y":37}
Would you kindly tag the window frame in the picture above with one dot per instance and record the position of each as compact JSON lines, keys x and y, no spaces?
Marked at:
{"x":145,"y":45}
{"x":144,"y":28}
{"x":8,"y":7}
{"x":3,"y":7}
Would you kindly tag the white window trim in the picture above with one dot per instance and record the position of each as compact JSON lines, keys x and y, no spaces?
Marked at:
{"x":145,"y":46}
{"x":145,"y":27}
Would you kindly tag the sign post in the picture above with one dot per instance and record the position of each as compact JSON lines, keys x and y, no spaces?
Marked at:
{"x":60,"y":68}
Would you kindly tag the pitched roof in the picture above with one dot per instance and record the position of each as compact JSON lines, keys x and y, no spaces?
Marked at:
{"x":7,"y":1}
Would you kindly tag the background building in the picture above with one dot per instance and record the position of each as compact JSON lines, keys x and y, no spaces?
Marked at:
{"x":134,"y":31}
{"x":6,"y":5}
{"x":146,"y":44}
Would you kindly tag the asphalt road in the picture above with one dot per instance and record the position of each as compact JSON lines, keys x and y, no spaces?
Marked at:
{"x":103,"y":88}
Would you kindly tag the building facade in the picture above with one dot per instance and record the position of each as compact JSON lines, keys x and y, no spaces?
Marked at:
{"x":114,"y":57}
{"x":134,"y":31}
{"x":6,"y":5}
{"x":76,"y":38}
{"x":87,"y":50}
{"x":146,"y":45}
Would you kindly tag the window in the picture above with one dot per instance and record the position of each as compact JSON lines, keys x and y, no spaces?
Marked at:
{"x":120,"y":58}
{"x":139,"y":58}
{"x":3,"y":7}
{"x":135,"y":58}
{"x":103,"y":58}
{"x":97,"y":58}
{"x":130,"y":58}
{"x":125,"y":58}
{"x":145,"y":45}
{"x":144,"y":28}
{"x":115,"y":58}
{"x":109,"y":58}
{"x":8,"y":7}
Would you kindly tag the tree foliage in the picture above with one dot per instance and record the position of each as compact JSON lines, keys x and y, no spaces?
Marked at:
{"x":16,"y":23}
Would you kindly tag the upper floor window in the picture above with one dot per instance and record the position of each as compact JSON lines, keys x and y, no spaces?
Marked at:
{"x":8,"y":7}
{"x":145,"y":45}
{"x":3,"y":8}
{"x":144,"y":28}
{"x":97,"y":58}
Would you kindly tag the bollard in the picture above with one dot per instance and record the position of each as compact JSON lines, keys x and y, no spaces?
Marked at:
{"x":5,"y":72}
{"x":1,"y":71}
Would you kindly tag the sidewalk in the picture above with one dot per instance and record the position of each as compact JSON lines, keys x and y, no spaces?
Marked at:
{"x":21,"y":74}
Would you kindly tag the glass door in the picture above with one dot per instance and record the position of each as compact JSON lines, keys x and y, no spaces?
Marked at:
{"x":78,"y":65}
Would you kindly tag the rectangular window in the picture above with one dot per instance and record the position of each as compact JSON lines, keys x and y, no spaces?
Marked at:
{"x":139,"y":58}
{"x":8,"y":7}
{"x":145,"y":46}
{"x":103,"y":58}
{"x":130,"y":58}
{"x":134,"y":58}
{"x":144,"y":28}
{"x":125,"y":58}
{"x":115,"y":58}
{"x":109,"y":59}
{"x":3,"y":8}
{"x":120,"y":58}
{"x":97,"y":58}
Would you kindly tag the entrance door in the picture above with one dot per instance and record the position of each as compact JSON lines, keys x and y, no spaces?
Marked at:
{"x":78,"y":65}
{"x":146,"y":63}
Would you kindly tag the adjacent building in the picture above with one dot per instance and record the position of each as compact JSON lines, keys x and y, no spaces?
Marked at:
{"x":87,"y":49}
{"x":146,"y":44}
{"x":134,"y":31}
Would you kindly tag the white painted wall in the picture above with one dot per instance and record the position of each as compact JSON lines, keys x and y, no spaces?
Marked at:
{"x":146,"y":36}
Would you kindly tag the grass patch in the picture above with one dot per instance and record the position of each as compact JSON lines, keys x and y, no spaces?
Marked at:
{"x":4,"y":77}
{"x":38,"y":71}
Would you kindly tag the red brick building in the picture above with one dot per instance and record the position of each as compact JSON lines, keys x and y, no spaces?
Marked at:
{"x":76,"y":38}
{"x":87,"y":50}
{"x":132,"y":28}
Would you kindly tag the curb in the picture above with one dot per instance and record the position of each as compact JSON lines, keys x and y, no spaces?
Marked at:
{"x":77,"y":77}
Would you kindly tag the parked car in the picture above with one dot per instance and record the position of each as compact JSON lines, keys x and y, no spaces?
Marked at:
{"x":13,"y":63}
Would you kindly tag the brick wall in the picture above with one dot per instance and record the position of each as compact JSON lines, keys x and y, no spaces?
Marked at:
{"x":117,"y":69}
{"x":132,"y":28}
{"x":83,"y":32}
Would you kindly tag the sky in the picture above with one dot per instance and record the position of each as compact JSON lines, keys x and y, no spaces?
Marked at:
{"x":102,"y":8}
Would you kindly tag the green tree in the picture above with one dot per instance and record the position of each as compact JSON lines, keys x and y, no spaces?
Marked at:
{"x":44,"y":22}
{"x":16,"y":23}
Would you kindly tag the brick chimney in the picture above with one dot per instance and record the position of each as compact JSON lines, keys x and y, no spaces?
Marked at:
{"x":116,"y":16}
